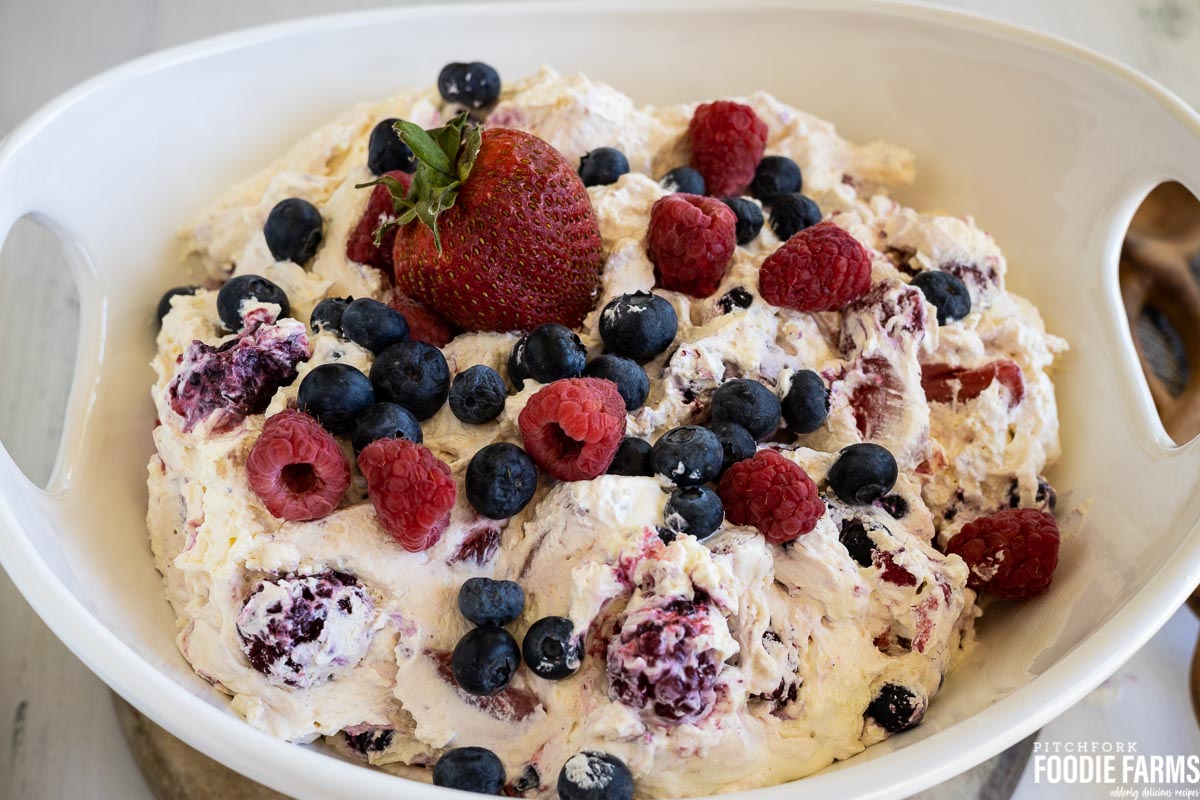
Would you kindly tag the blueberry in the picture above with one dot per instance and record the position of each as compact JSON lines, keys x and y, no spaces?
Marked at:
{"x":863,"y":473}
{"x":164,"y":305}
{"x":548,"y":353}
{"x":632,"y":458}
{"x":895,"y":505}
{"x":858,"y":542}
{"x":247,"y":287}
{"x":947,"y":293}
{"x":694,"y":509}
{"x":387,"y":152}
{"x":638,"y":326}
{"x":602,"y":166}
{"x":551,"y":648}
{"x":484,"y":601}
{"x":632,"y":382}
{"x":470,"y":769}
{"x":372,"y":740}
{"x":592,"y":775}
{"x":385,"y":421}
{"x":500,"y":480}
{"x":683,"y":179}
{"x":335,"y":394}
{"x":774,"y":176}
{"x":374,"y":325}
{"x":737,"y":297}
{"x":688,"y":455}
{"x":485,"y":660}
{"x":749,"y":404}
{"x":806,"y":404}
{"x":896,"y":708}
{"x":327,"y":316}
{"x":477,"y":395}
{"x":414,"y":375}
{"x":474,"y":85}
{"x":293,"y":230}
{"x":737,"y":444}
{"x":749,"y":218}
{"x":792,"y":213}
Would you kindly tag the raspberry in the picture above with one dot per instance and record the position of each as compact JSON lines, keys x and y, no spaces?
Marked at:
{"x":728,"y":140}
{"x":424,"y":324}
{"x":412,"y":491}
{"x":360,"y":246}
{"x":822,"y":268}
{"x":773,"y":494}
{"x":946,"y":384}
{"x":690,"y":240}
{"x":573,"y":427}
{"x":655,"y":663}
{"x":297,"y":468}
{"x":1012,"y":553}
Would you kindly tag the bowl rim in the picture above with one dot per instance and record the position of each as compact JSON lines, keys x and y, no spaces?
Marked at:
{"x":281,"y":765}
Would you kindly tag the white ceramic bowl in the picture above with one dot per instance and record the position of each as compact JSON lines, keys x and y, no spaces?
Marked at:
{"x":1049,"y":146}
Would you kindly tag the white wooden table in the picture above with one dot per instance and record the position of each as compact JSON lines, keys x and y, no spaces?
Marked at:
{"x":58,"y":734}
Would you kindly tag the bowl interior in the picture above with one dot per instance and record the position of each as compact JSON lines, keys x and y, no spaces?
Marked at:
{"x":1049,"y":152}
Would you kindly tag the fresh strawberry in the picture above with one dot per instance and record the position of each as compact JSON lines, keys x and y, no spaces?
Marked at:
{"x":497,"y":232}
{"x":360,"y":246}
{"x":946,"y":384}
{"x":424,"y":324}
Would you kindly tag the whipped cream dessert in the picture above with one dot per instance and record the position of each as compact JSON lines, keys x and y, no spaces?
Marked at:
{"x":817,"y":618}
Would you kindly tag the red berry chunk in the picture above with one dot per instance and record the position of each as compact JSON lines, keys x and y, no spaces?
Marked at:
{"x":297,"y":468}
{"x":424,"y":324}
{"x":690,"y":240}
{"x":1012,"y":553}
{"x":822,"y":268}
{"x":946,"y":384}
{"x":773,"y":494}
{"x":573,"y":427}
{"x":361,"y":245}
{"x":412,"y":491}
{"x":727,"y":140}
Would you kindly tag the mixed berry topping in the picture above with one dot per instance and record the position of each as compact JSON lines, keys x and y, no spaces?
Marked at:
{"x":737,"y":443}
{"x":373,"y":324}
{"x":695,"y":510}
{"x":632,"y":381}
{"x":1012,"y":554}
{"x":336,"y":394}
{"x":822,"y":268}
{"x":638,"y":326}
{"x":327,"y":315}
{"x":775,"y":176}
{"x":572,"y":428}
{"x":294,"y":230}
{"x":484,"y":601}
{"x":548,"y":353}
{"x":792,"y":213}
{"x":387,"y":152}
{"x":164,"y":305}
{"x":237,"y":378}
{"x":602,"y":166}
{"x":658,"y":662}
{"x":690,"y":240}
{"x":485,"y":660}
{"x":477,"y":395}
{"x":552,"y":649}
{"x":297,"y":468}
{"x":863,"y":473}
{"x":412,"y":491}
{"x":632,"y":458}
{"x":749,"y":218}
{"x":384,"y":421}
{"x":500,"y":480}
{"x":727,"y":142}
{"x":683,"y":179}
{"x":243,"y":289}
{"x":474,"y":84}
{"x":414,"y":375}
{"x":947,"y":293}
{"x":688,"y":455}
{"x":593,"y":775}
{"x":470,"y":769}
{"x":773,"y":494}
{"x":301,"y":630}
{"x":806,"y":404}
{"x":896,"y":708}
{"x":749,"y":404}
